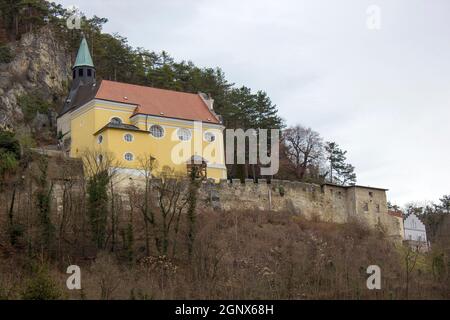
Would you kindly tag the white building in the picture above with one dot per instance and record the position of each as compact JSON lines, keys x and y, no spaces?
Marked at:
{"x":415,"y":231}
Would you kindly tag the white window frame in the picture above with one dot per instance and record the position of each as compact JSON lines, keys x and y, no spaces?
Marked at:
{"x":128,"y":134}
{"x":163,"y":131}
{"x":186,"y":130}
{"x":125,"y":156}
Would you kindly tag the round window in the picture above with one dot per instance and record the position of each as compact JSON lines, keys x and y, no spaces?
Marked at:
{"x":184,"y":134}
{"x":128,"y":137}
{"x":128,"y":156}
{"x":157,"y":131}
{"x":210,"y":137}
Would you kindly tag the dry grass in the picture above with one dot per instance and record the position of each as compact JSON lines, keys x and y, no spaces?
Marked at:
{"x":259,"y":255}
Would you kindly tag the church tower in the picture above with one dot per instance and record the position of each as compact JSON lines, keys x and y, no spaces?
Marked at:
{"x":83,"y":79}
{"x":83,"y":71}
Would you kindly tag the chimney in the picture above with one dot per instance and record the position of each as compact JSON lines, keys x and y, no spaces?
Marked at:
{"x":207,"y":99}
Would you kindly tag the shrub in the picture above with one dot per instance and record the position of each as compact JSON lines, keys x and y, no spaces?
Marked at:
{"x":41,"y":287}
{"x":32,"y":104}
{"x":8,"y":162}
{"x":25,"y":139}
{"x":6,"y":55}
{"x":8,"y":143}
{"x":9,"y":152}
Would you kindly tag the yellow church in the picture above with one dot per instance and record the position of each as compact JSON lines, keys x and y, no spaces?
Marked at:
{"x":129,"y":122}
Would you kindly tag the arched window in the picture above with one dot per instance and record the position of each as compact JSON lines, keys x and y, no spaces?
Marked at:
{"x":157,"y":131}
{"x":116,"y":120}
{"x":184,"y":134}
{"x":210,"y":137}
{"x":128,"y":137}
{"x":100,"y":139}
{"x":128,"y":156}
{"x":100,"y":158}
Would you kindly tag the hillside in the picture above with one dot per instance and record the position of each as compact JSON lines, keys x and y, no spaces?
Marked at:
{"x":241,"y":255}
{"x":146,"y":245}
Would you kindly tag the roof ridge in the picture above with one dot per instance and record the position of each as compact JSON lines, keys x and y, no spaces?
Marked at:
{"x":142,"y":86}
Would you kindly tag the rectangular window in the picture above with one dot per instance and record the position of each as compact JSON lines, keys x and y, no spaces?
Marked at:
{"x":80,"y":72}
{"x":89,"y":72}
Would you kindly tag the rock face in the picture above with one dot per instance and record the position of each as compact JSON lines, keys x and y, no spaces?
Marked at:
{"x":41,"y":65}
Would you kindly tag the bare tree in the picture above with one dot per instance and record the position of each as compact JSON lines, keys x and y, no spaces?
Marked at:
{"x":147,"y":165}
{"x":172,"y":199}
{"x":410,"y":257}
{"x":161,"y":204}
{"x":304,"y":148}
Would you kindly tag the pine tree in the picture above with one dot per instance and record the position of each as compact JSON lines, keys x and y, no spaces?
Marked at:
{"x":340,"y":171}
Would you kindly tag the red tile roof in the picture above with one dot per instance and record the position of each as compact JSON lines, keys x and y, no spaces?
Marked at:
{"x":158,"y":102}
{"x":398,"y":214}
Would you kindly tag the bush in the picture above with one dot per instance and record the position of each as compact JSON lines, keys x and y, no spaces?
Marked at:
{"x":8,"y":143}
{"x":32,"y":104}
{"x":6,"y":55}
{"x":8,"y":162}
{"x":9,"y":152}
{"x":41,"y":287}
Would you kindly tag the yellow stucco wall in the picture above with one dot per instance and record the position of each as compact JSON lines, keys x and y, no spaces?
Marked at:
{"x":168,"y":150}
{"x":81,"y":128}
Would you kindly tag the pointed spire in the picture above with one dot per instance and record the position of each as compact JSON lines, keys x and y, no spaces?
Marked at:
{"x":84,"y":58}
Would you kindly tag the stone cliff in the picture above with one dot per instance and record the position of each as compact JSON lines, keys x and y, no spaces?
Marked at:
{"x":41,"y":65}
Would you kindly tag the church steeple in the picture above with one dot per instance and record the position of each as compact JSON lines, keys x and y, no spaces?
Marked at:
{"x":83,"y":69}
{"x":83,"y":73}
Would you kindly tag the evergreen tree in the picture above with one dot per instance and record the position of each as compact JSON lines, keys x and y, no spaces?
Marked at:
{"x":266,"y":115}
{"x":97,"y":206}
{"x":340,"y":171}
{"x":43,"y":199}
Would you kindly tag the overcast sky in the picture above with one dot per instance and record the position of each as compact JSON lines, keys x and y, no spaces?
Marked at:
{"x":382,"y":94}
